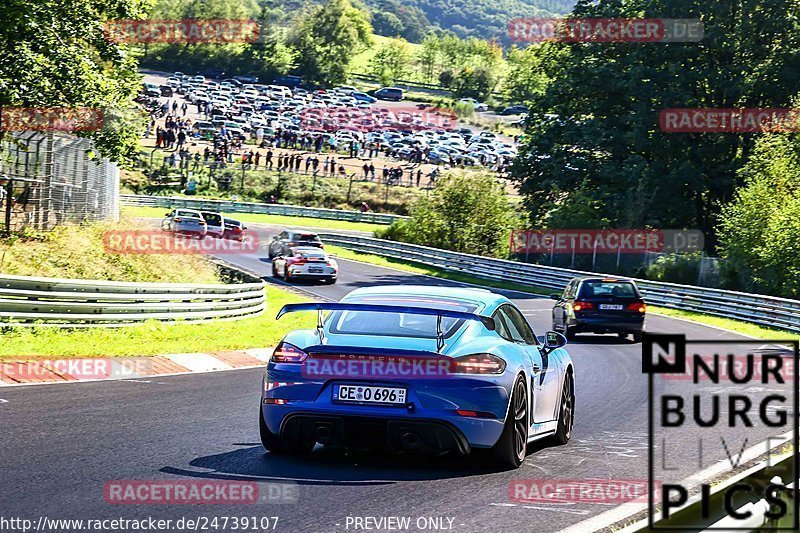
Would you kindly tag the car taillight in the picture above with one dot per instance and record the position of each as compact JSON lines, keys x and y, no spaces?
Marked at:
{"x":638,"y":307}
{"x":237,"y":230}
{"x":288,"y":353}
{"x":479,"y":363}
{"x":582,"y":306}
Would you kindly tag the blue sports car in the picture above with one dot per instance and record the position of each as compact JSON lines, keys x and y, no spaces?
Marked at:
{"x":417,"y":369}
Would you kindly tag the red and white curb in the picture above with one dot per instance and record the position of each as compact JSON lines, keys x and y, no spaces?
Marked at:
{"x":27,"y":371}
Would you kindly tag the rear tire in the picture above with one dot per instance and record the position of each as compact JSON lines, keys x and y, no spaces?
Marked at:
{"x":637,"y":337}
{"x":566,"y":412}
{"x":510,"y":449}
{"x":274,"y":271}
{"x":569,"y":333}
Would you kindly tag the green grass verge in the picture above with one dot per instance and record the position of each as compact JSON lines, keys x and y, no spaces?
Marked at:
{"x":154,"y":337}
{"x":409,"y":266}
{"x":738,"y":326}
{"x":77,"y":251}
{"x":279,"y":220}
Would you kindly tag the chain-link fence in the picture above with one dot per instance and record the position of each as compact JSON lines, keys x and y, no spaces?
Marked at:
{"x":52,"y":178}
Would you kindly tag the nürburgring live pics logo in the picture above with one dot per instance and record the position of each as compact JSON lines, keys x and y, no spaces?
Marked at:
{"x":709,"y":402}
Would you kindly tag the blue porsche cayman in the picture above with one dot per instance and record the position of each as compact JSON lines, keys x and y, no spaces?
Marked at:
{"x":417,"y":369}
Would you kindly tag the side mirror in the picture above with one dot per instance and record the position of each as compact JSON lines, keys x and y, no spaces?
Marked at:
{"x":274,"y":237}
{"x":554,"y":340}
{"x":555,"y":296}
{"x":168,"y":214}
{"x":244,"y":228}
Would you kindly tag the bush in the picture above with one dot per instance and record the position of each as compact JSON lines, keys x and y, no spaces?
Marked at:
{"x":675,"y":268}
{"x":469,"y":214}
{"x":759,"y":231}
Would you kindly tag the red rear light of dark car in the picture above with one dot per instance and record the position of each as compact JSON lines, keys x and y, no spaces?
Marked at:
{"x":638,"y":307}
{"x":582,"y":306}
{"x":288,"y":353}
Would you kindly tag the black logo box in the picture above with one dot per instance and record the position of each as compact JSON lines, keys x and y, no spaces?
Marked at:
{"x":677,"y":365}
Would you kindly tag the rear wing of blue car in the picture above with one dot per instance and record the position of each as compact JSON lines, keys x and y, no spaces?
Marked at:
{"x":320,"y":307}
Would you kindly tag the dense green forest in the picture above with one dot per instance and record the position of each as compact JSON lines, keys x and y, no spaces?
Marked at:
{"x":412,"y":19}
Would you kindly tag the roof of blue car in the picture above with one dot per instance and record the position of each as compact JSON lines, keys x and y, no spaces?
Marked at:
{"x":487,"y":298}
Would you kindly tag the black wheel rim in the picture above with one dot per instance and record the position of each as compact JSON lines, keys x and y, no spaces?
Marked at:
{"x":567,"y":407}
{"x":520,"y":420}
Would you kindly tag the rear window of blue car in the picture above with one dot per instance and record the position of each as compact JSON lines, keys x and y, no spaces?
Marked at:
{"x":399,"y":324}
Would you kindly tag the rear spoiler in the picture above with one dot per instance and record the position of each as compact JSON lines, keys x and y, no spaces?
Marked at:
{"x":373,"y":308}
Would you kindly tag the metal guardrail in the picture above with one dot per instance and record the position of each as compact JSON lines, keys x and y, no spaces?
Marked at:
{"x":253,"y":207}
{"x":758,"y":309}
{"x":29,"y":301}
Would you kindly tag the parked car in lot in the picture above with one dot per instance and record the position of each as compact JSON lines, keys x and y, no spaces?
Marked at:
{"x":205,"y":129}
{"x":234,"y":230}
{"x":364,"y":97}
{"x":282,"y":244}
{"x":166,"y":90}
{"x":151,"y":89}
{"x":600,"y":305}
{"x":476,"y":105}
{"x":305,"y":262}
{"x":215,"y":223}
{"x":185,"y":222}
{"x":518,"y":109}
{"x":389,"y":93}
{"x":485,"y":380}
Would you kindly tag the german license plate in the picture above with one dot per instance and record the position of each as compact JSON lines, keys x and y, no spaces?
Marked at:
{"x":611,"y":307}
{"x":315,"y":270}
{"x":369,"y":394}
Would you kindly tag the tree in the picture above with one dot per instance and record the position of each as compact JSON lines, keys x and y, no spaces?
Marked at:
{"x":525,"y":79}
{"x":473,"y":82}
{"x":427,"y":57}
{"x":270,"y":56}
{"x":465,"y":213}
{"x":388,"y":24}
{"x":759,"y":230}
{"x":188,"y":56}
{"x":468,"y":67}
{"x":326,"y":40}
{"x":596,"y":130}
{"x":55,"y":54}
{"x":391,"y":62}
